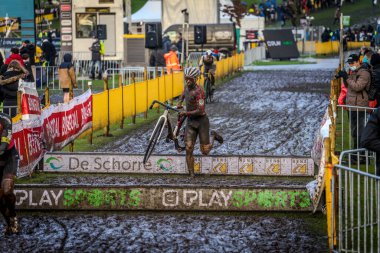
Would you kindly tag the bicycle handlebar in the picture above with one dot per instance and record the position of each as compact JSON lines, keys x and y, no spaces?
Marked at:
{"x":164,"y":105}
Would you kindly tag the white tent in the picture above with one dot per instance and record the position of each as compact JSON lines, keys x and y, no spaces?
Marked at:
{"x":150,"y":12}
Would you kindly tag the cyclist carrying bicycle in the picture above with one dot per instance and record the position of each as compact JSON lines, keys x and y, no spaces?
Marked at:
{"x":209,"y":61}
{"x":9,"y":159}
{"x":197,"y":120}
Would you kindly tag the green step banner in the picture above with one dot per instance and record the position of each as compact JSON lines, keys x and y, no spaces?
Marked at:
{"x":161,"y":198}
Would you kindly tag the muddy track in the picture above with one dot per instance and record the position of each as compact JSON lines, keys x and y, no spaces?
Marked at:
{"x":262,"y":112}
{"x":160,"y":232}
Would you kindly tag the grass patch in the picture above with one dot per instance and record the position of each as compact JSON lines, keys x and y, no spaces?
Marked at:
{"x":359,"y":12}
{"x":276,"y":62}
{"x":99,"y":140}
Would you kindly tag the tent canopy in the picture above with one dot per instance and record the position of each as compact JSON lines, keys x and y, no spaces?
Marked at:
{"x":150,"y":12}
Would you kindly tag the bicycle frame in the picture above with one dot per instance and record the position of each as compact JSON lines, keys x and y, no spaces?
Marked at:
{"x":172,"y":134}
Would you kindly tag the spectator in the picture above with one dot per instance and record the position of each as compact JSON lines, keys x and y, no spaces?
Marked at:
{"x":67,"y":79}
{"x":29,"y":77}
{"x":30,"y":49}
{"x":9,"y":86}
{"x":157,"y":58}
{"x":337,"y":15}
{"x":166,"y":44}
{"x":357,"y":83}
{"x":1,"y":60}
{"x":370,"y":138}
{"x":179,"y":45}
{"x":96,"y":59}
{"x":325,"y":37}
{"x":49,"y":52}
{"x":15,"y":55}
{"x":171,"y":59}
{"x":375,"y":63}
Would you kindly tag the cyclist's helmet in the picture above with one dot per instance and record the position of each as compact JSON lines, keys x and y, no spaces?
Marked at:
{"x":208,"y":52}
{"x":192,"y":72}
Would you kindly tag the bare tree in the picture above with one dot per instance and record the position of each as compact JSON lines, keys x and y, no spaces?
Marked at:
{"x":236,"y":11}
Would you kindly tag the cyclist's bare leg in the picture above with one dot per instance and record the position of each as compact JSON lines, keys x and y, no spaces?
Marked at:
{"x":190,"y":157}
{"x":9,"y":204}
{"x":191,"y":137}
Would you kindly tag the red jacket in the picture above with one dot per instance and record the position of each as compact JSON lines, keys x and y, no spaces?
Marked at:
{"x":16,"y":57}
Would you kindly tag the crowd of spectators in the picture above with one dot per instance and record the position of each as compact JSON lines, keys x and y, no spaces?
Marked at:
{"x":287,"y":10}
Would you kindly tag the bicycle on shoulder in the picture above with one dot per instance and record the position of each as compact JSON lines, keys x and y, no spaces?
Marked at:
{"x":177,"y":135}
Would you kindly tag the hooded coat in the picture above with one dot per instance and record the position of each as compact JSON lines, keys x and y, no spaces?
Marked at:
{"x":66,"y":73}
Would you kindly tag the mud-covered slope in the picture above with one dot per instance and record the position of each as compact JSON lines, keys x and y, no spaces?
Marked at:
{"x":262,"y":112}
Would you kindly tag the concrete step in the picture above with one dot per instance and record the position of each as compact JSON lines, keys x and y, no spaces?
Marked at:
{"x":176,"y":164}
{"x":161,"y":198}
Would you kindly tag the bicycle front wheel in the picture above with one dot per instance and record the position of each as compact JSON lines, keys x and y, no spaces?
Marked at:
{"x":153,"y":140}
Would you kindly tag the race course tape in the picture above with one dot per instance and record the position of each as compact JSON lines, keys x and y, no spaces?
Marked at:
{"x":176,"y":164}
{"x":172,"y":198}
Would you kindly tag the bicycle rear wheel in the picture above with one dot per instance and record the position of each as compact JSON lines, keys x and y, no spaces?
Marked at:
{"x":209,"y":92}
{"x":153,"y":140}
{"x":207,"y":89}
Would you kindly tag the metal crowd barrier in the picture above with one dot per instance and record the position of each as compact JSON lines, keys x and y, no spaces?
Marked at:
{"x":353,"y":119}
{"x":358,"y":199}
{"x":254,"y":54}
{"x":127,"y":74}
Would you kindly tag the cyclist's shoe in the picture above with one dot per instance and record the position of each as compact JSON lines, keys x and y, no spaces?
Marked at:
{"x":13,"y":227}
{"x":217,"y":137}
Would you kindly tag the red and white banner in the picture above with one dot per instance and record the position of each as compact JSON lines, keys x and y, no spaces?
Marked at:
{"x":27,"y":136}
{"x":30,"y":102}
{"x":62,"y":123}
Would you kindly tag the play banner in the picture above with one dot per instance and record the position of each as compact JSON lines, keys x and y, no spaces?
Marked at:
{"x":30,"y":102}
{"x":27,"y":136}
{"x":62,"y":123}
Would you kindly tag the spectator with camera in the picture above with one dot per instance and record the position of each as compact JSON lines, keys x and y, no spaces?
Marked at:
{"x":357,"y":84}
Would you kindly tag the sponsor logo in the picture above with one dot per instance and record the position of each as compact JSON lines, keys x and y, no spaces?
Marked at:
{"x":55,"y":163}
{"x":165,"y":164}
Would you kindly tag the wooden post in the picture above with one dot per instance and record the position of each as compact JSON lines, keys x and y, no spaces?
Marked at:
{"x":146,"y":92}
{"x":90,"y":138}
{"x":120,"y":83}
{"x":107,"y":128}
{"x":47,"y":97}
{"x":134,"y":97}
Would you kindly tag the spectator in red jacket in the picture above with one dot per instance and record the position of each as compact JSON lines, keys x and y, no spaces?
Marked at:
{"x":15,"y":55}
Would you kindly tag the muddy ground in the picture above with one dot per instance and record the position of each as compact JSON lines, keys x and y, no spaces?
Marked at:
{"x":159,"y":232}
{"x":263,"y":112}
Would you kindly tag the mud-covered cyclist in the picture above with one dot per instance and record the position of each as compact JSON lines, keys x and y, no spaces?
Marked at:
{"x":209,"y":62}
{"x":9,"y":159}
{"x":197,"y":120}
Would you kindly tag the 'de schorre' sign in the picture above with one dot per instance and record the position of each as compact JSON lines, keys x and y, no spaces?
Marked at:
{"x":176,"y":164}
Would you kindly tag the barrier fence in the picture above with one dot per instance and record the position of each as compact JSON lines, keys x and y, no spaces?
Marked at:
{"x":332,"y":47}
{"x":351,"y":186}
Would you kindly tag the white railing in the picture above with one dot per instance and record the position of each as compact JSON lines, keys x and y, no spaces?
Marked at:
{"x":254,"y":54}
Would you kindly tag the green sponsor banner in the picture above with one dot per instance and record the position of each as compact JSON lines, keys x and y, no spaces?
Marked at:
{"x":346,"y":20}
{"x":40,"y":197}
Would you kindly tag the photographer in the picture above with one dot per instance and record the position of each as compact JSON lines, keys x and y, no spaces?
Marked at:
{"x":357,"y":84}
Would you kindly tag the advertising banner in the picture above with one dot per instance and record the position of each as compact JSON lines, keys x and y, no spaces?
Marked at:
{"x":281,"y":44}
{"x":64,"y":122}
{"x":76,"y":197}
{"x":27,"y":136}
{"x":30,"y":102}
{"x":175,"y":164}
